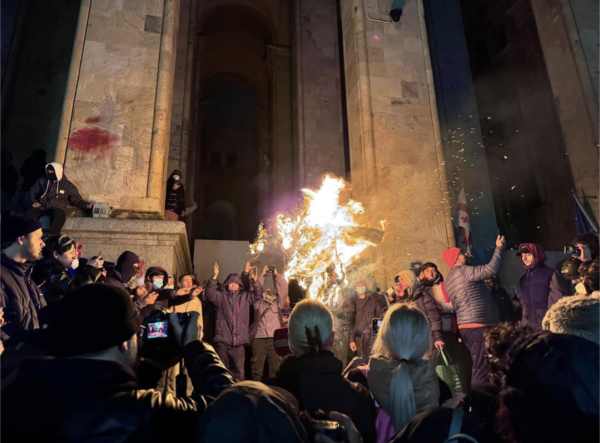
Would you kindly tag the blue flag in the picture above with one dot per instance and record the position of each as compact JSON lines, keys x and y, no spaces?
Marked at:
{"x":583,"y":222}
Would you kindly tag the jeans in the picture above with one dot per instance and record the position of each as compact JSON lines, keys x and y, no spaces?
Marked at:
{"x":233,"y":357}
{"x":475,"y":341}
{"x":57,"y":218}
{"x":262,"y":350}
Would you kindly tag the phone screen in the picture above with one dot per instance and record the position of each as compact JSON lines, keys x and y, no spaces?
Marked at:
{"x":158,"y":329}
{"x":376,"y":325}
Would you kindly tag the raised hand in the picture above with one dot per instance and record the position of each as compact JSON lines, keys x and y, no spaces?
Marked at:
{"x":215,"y":271}
{"x":500,"y":241}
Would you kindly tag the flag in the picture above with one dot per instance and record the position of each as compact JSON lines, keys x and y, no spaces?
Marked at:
{"x":463,"y":239}
{"x":584,"y":224}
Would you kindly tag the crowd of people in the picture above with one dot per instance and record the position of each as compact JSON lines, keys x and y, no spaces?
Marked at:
{"x":99,"y":351}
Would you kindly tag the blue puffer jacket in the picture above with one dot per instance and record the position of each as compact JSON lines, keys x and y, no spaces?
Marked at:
{"x":469,"y":294}
{"x":233,"y":309}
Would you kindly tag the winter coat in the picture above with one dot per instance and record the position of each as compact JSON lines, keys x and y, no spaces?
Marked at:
{"x":424,"y":302}
{"x":232,"y":309}
{"x":21,"y":299}
{"x":175,"y":198}
{"x":343,"y":318}
{"x":270,"y":314}
{"x":469,"y":294}
{"x":539,"y":288}
{"x":317,"y":383}
{"x":447,"y":310}
{"x":55,"y":281}
{"x":166,"y":297}
{"x":56,"y":194}
{"x":82,"y":400}
{"x":379,"y":378}
{"x":366,"y":309}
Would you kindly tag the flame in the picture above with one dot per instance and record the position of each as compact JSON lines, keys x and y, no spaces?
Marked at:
{"x":259,"y":244}
{"x":324,"y":239}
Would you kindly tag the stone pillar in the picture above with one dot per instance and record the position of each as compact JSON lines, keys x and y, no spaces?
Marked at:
{"x":395,"y":148}
{"x":118,"y":136}
{"x":194,"y":177}
{"x":318,"y":130}
{"x":458,"y":112}
{"x":266,"y":190}
{"x":574,"y":92}
{"x":280,"y":81}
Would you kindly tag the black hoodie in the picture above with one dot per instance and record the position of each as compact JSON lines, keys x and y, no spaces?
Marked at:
{"x":175,"y":198}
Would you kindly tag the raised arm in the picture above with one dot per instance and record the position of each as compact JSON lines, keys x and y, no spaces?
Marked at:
{"x":213,"y":294}
{"x":256,"y":294}
{"x":281,"y":287}
{"x":479,"y":273}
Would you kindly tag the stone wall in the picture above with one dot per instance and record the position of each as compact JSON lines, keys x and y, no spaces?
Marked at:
{"x":394,"y":134}
{"x":119,"y":120}
{"x":318,"y":103}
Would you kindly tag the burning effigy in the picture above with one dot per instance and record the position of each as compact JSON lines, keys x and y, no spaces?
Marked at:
{"x":322,"y":238}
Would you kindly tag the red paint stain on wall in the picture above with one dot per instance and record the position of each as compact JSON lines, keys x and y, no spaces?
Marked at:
{"x":94,"y":141}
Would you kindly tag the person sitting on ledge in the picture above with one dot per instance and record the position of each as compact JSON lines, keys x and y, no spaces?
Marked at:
{"x":51,"y":195}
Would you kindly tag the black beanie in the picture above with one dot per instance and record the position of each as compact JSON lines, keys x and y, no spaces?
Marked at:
{"x":14,"y":227}
{"x":91,"y":319}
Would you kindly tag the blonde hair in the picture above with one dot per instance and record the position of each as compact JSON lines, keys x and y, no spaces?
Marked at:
{"x":310,"y":327}
{"x":404,"y":335}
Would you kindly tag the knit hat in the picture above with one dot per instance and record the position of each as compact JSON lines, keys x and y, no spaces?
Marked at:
{"x":14,"y":227}
{"x":91,"y":319}
{"x":410,"y":277}
{"x":450,"y":255}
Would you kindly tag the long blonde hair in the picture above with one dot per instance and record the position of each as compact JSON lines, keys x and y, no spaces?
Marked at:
{"x":404,"y":336}
{"x":310,"y":327}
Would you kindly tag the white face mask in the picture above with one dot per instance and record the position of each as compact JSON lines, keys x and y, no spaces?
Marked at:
{"x":176,"y":178}
{"x":580,"y":288}
{"x":157,"y":284}
{"x":75,"y":264}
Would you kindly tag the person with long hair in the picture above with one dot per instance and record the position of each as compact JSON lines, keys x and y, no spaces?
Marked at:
{"x":401,"y":380}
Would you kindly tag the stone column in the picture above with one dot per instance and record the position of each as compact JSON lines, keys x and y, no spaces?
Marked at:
{"x":574,"y":92}
{"x":118,"y":137}
{"x":318,"y":130}
{"x":266,"y":190}
{"x":394,"y":135}
{"x":280,"y":81}
{"x":458,"y":109}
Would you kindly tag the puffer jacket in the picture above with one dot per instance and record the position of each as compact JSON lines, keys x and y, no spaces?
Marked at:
{"x":539,"y":288}
{"x":469,"y":294}
{"x":55,"y":282}
{"x":56,"y":194}
{"x":83,"y":400}
{"x":232,"y":309}
{"x":424,"y":302}
{"x":21,"y":299}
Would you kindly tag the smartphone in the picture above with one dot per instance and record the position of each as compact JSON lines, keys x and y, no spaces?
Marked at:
{"x":375,"y":326}
{"x":572,"y":250}
{"x":158,"y":329}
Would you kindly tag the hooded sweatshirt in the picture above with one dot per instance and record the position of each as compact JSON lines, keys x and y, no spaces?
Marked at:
{"x":175,"y":198}
{"x":539,"y":288}
{"x":56,"y":194}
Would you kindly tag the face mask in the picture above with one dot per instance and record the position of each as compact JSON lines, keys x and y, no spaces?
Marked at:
{"x":75,"y":264}
{"x":131,"y":284}
{"x":361,"y":290}
{"x":580,"y":288}
{"x":176,"y":178}
{"x":157,"y":284}
{"x":269,"y":297}
{"x":169,"y":287}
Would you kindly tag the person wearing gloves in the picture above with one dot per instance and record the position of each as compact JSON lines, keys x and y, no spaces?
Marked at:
{"x":232,"y":303}
{"x":175,"y":198}
{"x":51,"y":273}
{"x":475,"y":309}
{"x":51,"y":195}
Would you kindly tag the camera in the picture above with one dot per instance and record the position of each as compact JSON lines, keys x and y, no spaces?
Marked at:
{"x":271,"y":268}
{"x":572,"y":250}
{"x":319,"y":423}
{"x":158,"y":338}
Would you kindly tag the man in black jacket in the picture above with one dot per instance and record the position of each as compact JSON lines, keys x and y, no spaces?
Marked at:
{"x":20,"y":297}
{"x":90,"y":391}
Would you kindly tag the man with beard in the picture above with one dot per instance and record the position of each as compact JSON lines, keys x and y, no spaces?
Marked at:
{"x":96,"y":389}
{"x":475,"y":309}
{"x":21,"y":299}
{"x":232,"y":303}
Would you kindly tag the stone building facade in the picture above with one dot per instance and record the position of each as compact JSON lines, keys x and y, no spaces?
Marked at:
{"x":255,"y":99}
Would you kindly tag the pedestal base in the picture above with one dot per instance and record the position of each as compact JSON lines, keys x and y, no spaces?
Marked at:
{"x":156,"y":242}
